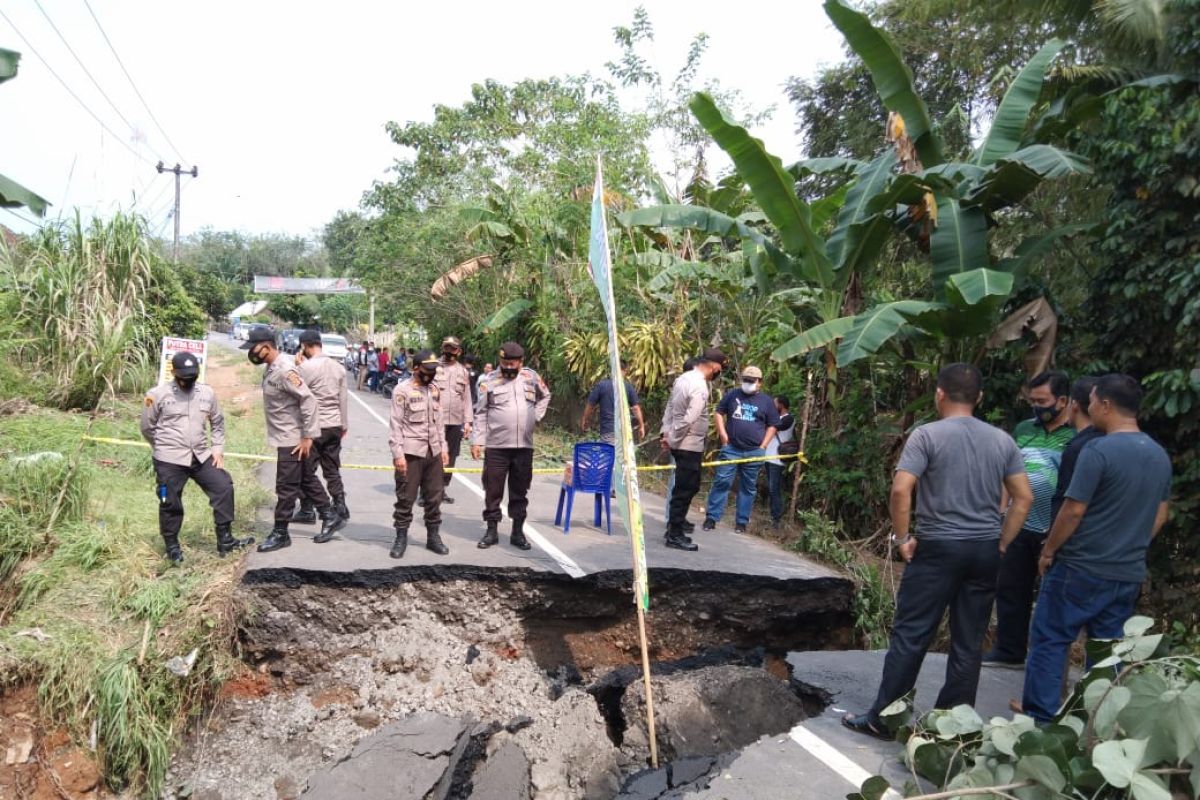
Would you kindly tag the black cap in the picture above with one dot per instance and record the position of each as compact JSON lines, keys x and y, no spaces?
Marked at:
{"x":511,"y":350}
{"x":257,"y":336}
{"x":426,"y":361}
{"x":714,"y":355}
{"x":185,"y":365}
{"x":310,"y":337}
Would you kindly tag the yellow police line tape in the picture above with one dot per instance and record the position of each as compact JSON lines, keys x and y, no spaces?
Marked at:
{"x":462,"y":470}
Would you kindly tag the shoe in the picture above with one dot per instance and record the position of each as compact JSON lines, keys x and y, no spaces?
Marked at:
{"x":447,"y":499}
{"x":420,"y":502}
{"x":304,"y":516}
{"x":992,"y":659}
{"x":739,"y":528}
{"x":678,"y":541}
{"x":433,"y":541}
{"x":331,"y":523}
{"x":226,"y":541}
{"x":710,"y":524}
{"x":861,"y":723}
{"x":339,"y":503}
{"x":173,"y":552}
{"x":401,"y":543}
{"x":277,"y":539}
{"x":688,"y":527}
{"x":491,"y":537}
{"x":517,"y":537}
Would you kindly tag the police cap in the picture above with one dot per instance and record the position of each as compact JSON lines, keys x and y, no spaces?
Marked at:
{"x":185,"y":365}
{"x":511,"y":350}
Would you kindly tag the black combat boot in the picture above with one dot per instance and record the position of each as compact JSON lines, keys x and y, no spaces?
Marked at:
{"x":447,"y":499}
{"x":677,"y":540}
{"x":491,"y":537}
{"x":174,"y":553}
{"x":277,"y":539}
{"x":226,"y":542}
{"x":339,"y":502}
{"x":331,"y":523}
{"x":305,"y":515}
{"x":401,"y":543}
{"x":517,"y":538}
{"x":433,"y":541}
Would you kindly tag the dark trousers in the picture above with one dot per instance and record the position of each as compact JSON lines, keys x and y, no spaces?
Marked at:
{"x":296,"y":479}
{"x":514,"y":464}
{"x":1014,"y":595}
{"x":775,"y":489}
{"x":454,"y":437}
{"x":328,"y":451}
{"x":960,"y":575}
{"x":424,"y":475}
{"x":687,"y":484}
{"x":172,"y":478}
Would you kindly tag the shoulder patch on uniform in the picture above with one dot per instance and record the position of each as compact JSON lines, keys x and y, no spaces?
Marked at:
{"x":294,"y":379}
{"x":149,"y":401}
{"x":483,"y":387}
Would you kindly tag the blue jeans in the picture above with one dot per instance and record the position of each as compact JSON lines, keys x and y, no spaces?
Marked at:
{"x":670,"y":491}
{"x":775,"y":489}
{"x":747,"y":474}
{"x":1069,"y":601}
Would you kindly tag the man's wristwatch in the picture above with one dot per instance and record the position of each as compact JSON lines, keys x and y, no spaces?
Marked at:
{"x":901,"y":541}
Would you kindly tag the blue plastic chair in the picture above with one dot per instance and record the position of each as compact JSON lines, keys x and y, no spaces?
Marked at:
{"x":592,"y":472}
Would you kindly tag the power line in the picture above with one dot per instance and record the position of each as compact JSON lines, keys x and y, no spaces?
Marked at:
{"x":131,"y":83}
{"x":84,"y":105}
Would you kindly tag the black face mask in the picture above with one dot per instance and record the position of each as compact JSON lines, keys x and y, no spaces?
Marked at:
{"x":449,"y":355}
{"x":1045,"y":414}
{"x":185,"y":384}
{"x":255,"y":356}
{"x":424,"y":377}
{"x":509,"y":372}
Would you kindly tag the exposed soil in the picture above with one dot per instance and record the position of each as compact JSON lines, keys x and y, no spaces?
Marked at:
{"x":38,"y":764}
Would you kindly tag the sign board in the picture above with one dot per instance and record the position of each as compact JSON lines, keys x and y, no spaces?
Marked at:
{"x":171,"y":346}
{"x":275,"y":284}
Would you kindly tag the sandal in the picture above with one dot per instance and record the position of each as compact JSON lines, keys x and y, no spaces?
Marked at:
{"x":861,"y":723}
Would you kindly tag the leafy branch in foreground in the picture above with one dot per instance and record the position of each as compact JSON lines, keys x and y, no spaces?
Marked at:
{"x":1130,"y":728}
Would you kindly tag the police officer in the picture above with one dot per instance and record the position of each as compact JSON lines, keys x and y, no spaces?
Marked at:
{"x":511,"y":400}
{"x":292,"y":425}
{"x":454,"y":379}
{"x":174,"y":416}
{"x":327,"y":380}
{"x":419,"y":453}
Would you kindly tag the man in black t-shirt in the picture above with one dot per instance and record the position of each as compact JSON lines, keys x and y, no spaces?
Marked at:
{"x":746,"y":423}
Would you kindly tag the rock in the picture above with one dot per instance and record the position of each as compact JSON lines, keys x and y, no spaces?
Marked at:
{"x":504,"y":776}
{"x":687,"y":770}
{"x":518,"y":723}
{"x":645,"y":785}
{"x":286,"y":788}
{"x":472,"y":654}
{"x":367,"y":719}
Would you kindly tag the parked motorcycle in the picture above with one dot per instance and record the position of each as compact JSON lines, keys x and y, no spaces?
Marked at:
{"x":394,"y":375}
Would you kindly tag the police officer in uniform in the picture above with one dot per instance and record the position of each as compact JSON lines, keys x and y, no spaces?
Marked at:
{"x":419,"y":453}
{"x":174,"y":416}
{"x":512,"y":399}
{"x":454,"y":379}
{"x":327,"y":380}
{"x":292,"y":424}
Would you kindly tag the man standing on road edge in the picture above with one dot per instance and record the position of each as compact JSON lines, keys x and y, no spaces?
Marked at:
{"x":958,"y":466}
{"x":1094,"y":560}
{"x":746,"y":424}
{"x":327,"y":380}
{"x":417,"y":437}
{"x":602,"y":399}
{"x":454,"y":381}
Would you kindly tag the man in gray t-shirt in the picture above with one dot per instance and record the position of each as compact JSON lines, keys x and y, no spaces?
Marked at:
{"x":957,"y":467}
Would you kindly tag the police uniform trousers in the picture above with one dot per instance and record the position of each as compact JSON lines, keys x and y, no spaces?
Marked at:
{"x":514,"y":464}
{"x":215,"y":483}
{"x":327,"y":449}
{"x":296,"y":479}
{"x":425,"y":475}
{"x":454,"y":437}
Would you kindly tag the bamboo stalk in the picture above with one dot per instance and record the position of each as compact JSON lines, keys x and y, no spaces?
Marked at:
{"x":808,"y":403}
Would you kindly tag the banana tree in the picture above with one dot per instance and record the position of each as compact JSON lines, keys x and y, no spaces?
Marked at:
{"x":13,"y":194}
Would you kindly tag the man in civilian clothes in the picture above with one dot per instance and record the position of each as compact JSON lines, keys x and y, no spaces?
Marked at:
{"x":602,"y":398}
{"x":746,"y":424}
{"x":1094,"y":560}
{"x":1085,"y":431}
{"x":958,"y":467}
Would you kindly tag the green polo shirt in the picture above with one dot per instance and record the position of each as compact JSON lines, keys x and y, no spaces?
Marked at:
{"x":1042,"y":452}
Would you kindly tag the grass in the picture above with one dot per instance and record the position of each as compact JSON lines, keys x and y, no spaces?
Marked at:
{"x":98,"y":586}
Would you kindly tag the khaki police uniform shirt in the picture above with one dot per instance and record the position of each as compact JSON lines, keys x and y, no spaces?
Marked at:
{"x":507,"y":410}
{"x":288,"y":404}
{"x":416,"y":425}
{"x":685,"y":419}
{"x":173,"y":422}
{"x":327,"y":380}
{"x":455,"y":383}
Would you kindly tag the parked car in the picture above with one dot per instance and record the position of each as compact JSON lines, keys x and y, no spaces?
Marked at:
{"x":289,"y":340}
{"x":334,"y":346}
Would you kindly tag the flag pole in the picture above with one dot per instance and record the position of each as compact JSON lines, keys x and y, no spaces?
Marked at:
{"x":628,"y":496}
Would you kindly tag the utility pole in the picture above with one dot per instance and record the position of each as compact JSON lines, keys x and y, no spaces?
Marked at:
{"x":194,"y":172}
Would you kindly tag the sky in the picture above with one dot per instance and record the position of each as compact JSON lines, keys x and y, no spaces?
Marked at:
{"x":281,"y":106}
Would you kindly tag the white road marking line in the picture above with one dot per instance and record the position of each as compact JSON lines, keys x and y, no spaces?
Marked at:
{"x":562,"y":559}
{"x":833,"y":758}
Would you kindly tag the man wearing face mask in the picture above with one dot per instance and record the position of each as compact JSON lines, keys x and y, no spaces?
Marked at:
{"x":1042,"y":441}
{"x":746,"y":424}
{"x":174,"y":418}
{"x":327,"y":380}
{"x":511,"y":401}
{"x":418,"y":442}
{"x":454,"y":380}
{"x":293,"y":422}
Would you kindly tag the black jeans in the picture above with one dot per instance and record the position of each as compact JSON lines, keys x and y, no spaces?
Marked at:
{"x":296,"y":479}
{"x":514,"y":464}
{"x":1014,"y":595}
{"x":687,"y":484}
{"x":454,"y":437}
{"x":328,"y":451}
{"x":944,"y":573}
{"x":775,"y":474}
{"x":214,"y":482}
{"x":424,"y":475}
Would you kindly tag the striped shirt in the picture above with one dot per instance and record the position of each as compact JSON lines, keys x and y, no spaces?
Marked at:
{"x":1042,"y":452}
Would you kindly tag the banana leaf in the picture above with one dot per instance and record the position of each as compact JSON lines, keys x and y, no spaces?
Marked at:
{"x":873,"y":328}
{"x":504,"y":315}
{"x":892,"y":77}
{"x":958,"y":243}
{"x":1012,"y":115}
{"x":14,"y":195}
{"x":1011,"y":179}
{"x":971,"y":288}
{"x":826,"y":166}
{"x":1034,"y":247}
{"x":812,"y":339}
{"x":8,"y":64}
{"x":773,"y":188}
{"x":856,"y":238}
